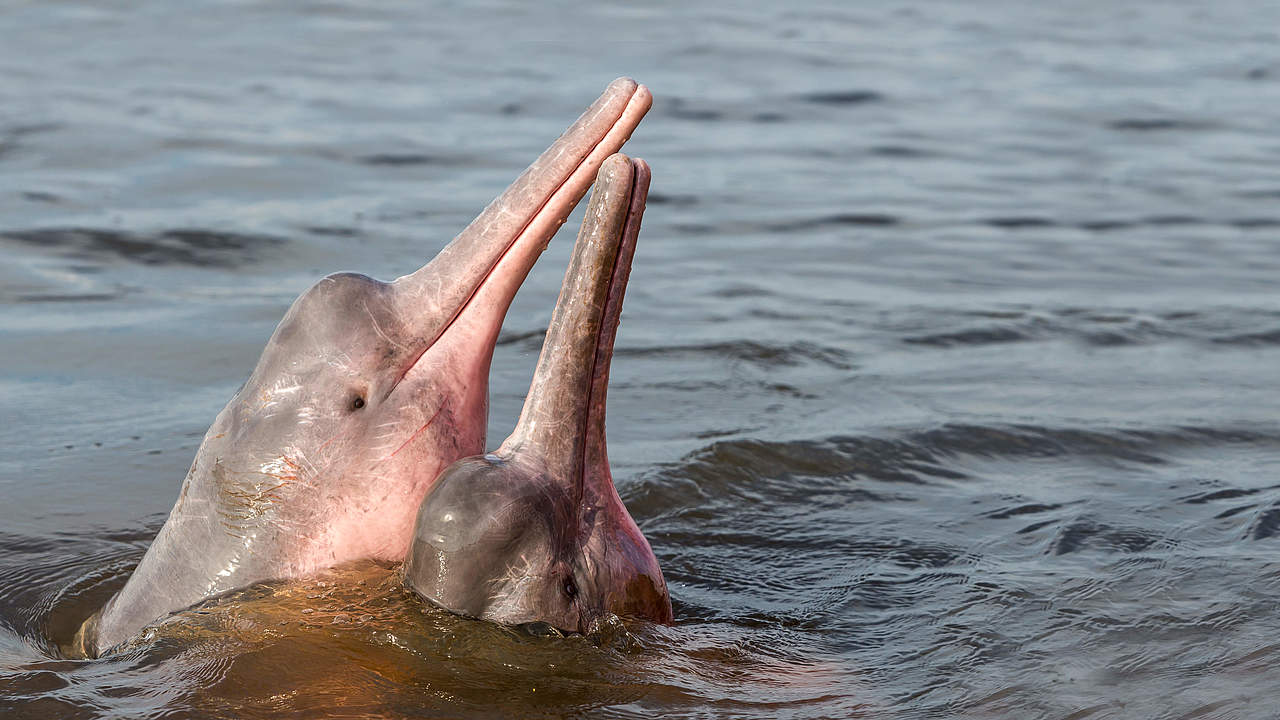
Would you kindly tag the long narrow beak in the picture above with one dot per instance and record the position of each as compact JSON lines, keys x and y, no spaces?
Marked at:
{"x":479,"y":272}
{"x":563,"y":416}
{"x":596,"y":451}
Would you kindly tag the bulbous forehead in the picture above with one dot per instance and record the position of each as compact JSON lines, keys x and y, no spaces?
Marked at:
{"x":480,"y":503}
{"x":345,"y":314}
{"x":487,"y":532}
{"x":345,"y":332}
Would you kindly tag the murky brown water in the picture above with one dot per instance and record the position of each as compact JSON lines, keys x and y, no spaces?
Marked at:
{"x":947,"y":383}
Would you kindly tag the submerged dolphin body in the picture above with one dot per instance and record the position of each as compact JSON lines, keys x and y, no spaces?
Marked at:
{"x":535,"y":532}
{"x":364,"y":393}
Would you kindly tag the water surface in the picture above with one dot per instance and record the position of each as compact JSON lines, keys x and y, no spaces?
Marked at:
{"x":947,"y":382}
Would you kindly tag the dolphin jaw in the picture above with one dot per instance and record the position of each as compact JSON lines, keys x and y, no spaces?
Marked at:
{"x":499,"y":275}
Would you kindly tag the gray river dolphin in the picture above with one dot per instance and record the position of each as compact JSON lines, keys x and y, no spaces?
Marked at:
{"x":364,"y":393}
{"x":535,"y":532}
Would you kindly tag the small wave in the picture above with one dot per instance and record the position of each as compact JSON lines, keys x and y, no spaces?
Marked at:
{"x":397,"y":159}
{"x":1019,"y":222}
{"x":1209,"y":496}
{"x":64,"y":297}
{"x":766,"y":355}
{"x":790,"y":225}
{"x":1105,"y":225}
{"x":331,"y":231}
{"x":800,"y":471}
{"x":677,"y":200}
{"x":1266,"y":337}
{"x":1156,"y":124}
{"x":47,"y":595}
{"x":701,"y":110}
{"x":1025,"y":509}
{"x":1266,"y":524}
{"x":195,"y":248}
{"x":10,"y":137}
{"x":23,"y":129}
{"x":1099,"y":327}
{"x":1173,"y":220}
{"x":899,"y":151}
{"x":841,"y":97}
{"x":732,"y":467}
{"x":682,"y":109}
{"x":1255,"y":223}
{"x":1137,"y":446}
{"x":975,"y":336}
{"x":741,"y":290}
{"x":835,"y":220}
{"x":1259,"y":501}
{"x":1088,"y":533}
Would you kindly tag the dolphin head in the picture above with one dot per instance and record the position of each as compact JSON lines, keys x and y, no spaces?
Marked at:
{"x":535,"y":532}
{"x":364,"y":393}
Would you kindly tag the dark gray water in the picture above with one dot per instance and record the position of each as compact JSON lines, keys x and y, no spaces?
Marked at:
{"x":947,"y":382}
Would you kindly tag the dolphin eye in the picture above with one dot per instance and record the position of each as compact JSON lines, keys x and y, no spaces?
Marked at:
{"x":570,"y":589}
{"x":357,"y":402}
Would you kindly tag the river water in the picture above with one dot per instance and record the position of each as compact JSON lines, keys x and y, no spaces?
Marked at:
{"x":947,"y":381}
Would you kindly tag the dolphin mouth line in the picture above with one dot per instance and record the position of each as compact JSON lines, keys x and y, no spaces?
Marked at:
{"x":640,"y":92}
{"x":610,"y":318}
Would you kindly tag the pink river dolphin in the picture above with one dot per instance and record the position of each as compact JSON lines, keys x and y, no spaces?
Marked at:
{"x":535,"y":532}
{"x":365,"y":392}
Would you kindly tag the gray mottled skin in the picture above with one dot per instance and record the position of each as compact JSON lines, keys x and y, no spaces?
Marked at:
{"x":536,"y":532}
{"x":365,"y":391}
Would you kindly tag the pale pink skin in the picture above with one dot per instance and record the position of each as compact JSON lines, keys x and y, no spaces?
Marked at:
{"x":364,"y":393}
{"x":536,"y":531}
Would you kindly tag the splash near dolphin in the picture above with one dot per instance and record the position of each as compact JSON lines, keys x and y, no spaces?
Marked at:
{"x":364,"y":393}
{"x":536,"y":532}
